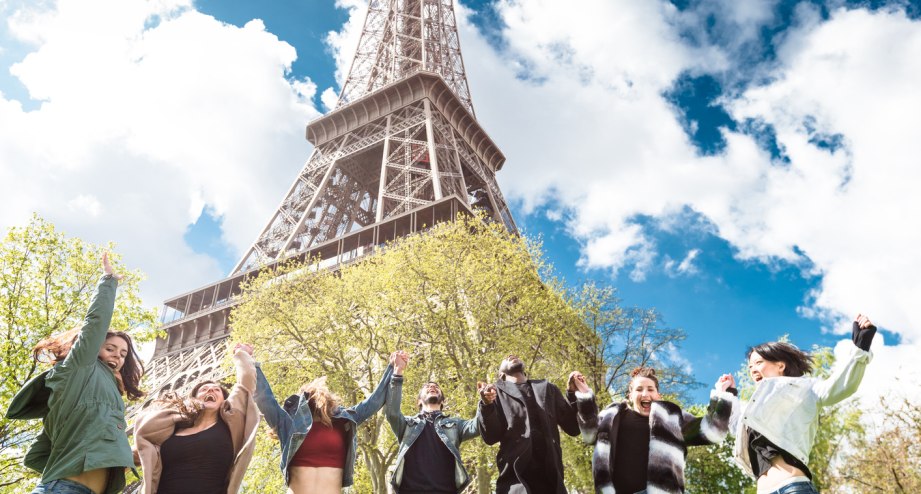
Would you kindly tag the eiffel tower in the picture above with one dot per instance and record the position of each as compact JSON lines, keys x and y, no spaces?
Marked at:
{"x":401,"y":151}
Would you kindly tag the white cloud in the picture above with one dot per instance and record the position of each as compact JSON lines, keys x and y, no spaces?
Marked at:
{"x":85,"y":204}
{"x":579,"y":100}
{"x":344,"y":42}
{"x":329,"y":97}
{"x":608,"y":147}
{"x":674,"y":356}
{"x":150,"y":111}
{"x":851,"y":211}
{"x":685,"y":267}
{"x":576,"y":102}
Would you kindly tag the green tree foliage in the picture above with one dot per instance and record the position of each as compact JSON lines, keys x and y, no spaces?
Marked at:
{"x":710,"y":469}
{"x":888,"y":457}
{"x":459,"y":297}
{"x":628,"y":337}
{"x":46,"y":283}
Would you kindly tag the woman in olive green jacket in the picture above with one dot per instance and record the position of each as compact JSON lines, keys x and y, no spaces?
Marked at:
{"x":83,"y":447}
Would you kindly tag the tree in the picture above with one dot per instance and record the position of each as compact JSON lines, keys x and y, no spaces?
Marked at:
{"x":46,"y":283}
{"x":460,"y":297}
{"x":628,"y":337}
{"x":888,"y":459}
{"x":710,"y":469}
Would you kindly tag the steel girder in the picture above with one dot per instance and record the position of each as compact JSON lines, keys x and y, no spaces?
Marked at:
{"x":384,"y":168}
{"x":401,"y":37}
{"x":403,"y":134}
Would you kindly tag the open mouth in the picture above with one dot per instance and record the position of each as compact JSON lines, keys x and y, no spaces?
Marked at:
{"x":757,"y":377}
{"x":646,"y":405}
{"x":113,"y":365}
{"x":209,"y":398}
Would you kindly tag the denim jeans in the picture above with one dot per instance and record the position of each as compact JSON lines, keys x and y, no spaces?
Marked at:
{"x":62,"y":486}
{"x":797,"y":488}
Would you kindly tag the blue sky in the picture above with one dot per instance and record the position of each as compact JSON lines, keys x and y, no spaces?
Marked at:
{"x":742,"y":167}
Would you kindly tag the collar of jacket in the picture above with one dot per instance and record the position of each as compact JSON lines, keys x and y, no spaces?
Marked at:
{"x":539,"y":387}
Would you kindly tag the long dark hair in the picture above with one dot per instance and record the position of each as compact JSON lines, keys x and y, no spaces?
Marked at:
{"x":55,"y":348}
{"x":796,"y":362}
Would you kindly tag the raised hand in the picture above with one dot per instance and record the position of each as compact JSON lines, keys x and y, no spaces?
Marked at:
{"x":725,"y":382}
{"x":487,"y":392}
{"x":863,"y":322}
{"x":577,"y":383}
{"x":107,"y":267}
{"x":243,"y":347}
{"x":399,"y":359}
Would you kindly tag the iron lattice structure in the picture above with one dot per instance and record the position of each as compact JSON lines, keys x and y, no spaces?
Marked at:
{"x":402,"y":37}
{"x":401,"y":151}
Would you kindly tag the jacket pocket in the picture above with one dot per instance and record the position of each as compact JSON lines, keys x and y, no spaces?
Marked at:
{"x":114,"y":427}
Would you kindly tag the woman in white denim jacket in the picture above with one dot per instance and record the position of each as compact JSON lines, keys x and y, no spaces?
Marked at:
{"x":776,"y":428}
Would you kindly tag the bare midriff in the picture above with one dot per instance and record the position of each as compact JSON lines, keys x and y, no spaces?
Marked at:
{"x":315,"y":480}
{"x":94,"y":479}
{"x":779,"y":472}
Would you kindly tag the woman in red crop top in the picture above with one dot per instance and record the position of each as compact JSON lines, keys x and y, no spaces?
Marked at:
{"x":317,"y":433}
{"x":320,"y":460}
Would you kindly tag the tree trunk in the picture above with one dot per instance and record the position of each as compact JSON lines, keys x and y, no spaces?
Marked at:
{"x":483,"y":477}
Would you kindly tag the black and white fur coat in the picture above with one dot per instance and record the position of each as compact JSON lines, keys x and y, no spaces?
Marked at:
{"x":671,"y":431}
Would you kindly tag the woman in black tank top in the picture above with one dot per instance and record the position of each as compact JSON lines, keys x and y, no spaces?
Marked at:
{"x":200,"y":443}
{"x":197,"y":462}
{"x":197,"y":457}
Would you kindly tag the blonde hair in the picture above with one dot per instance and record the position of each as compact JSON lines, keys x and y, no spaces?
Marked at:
{"x":322,"y":401}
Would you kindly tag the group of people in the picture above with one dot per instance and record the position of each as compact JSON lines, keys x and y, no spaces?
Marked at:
{"x":204,"y":441}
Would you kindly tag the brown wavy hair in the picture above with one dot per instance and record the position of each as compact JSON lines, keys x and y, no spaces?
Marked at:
{"x":188,"y":406}
{"x":647,"y":372}
{"x":322,"y":401}
{"x":55,"y":348}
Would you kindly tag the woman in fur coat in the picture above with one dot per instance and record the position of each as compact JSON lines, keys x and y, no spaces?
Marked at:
{"x":641,"y":443}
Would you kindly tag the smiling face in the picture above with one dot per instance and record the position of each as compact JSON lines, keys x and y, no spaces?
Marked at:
{"x":114,"y":352}
{"x":211,"y":394}
{"x":430,"y":394}
{"x":761,"y":368}
{"x":643,"y":391}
